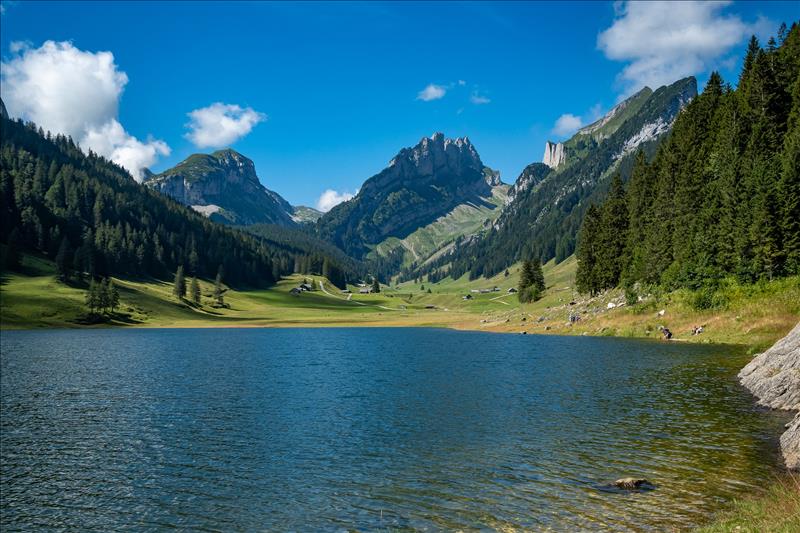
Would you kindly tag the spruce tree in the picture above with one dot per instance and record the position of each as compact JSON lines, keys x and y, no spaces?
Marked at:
{"x":537,"y":279}
{"x":195,"y":288}
{"x":179,"y":288}
{"x":104,"y":294}
{"x":218,"y":292}
{"x":376,"y":286}
{"x":113,"y":295}
{"x":92,"y":297}
{"x":588,"y":241}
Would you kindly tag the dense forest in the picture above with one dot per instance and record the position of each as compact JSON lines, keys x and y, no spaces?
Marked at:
{"x":92,"y":218}
{"x":722,"y":195}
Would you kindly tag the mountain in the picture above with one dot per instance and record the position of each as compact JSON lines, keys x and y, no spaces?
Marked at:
{"x":304,"y":214}
{"x":431,"y":194}
{"x":224,"y":187}
{"x":546,"y":204}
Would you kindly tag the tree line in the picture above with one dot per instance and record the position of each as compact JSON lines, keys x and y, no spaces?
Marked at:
{"x":720,"y":198}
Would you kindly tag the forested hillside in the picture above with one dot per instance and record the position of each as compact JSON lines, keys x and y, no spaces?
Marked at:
{"x":92,"y":218}
{"x":722,"y":195}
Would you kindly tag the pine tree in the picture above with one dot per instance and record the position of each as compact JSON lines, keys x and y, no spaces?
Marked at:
{"x":195,"y":288}
{"x":376,"y":286}
{"x":218,"y":292}
{"x":113,"y":295}
{"x":526,"y":275}
{"x":537,"y":279}
{"x":92,"y":297}
{"x":179,"y":288}
{"x":104,"y":294}
{"x":588,"y":242}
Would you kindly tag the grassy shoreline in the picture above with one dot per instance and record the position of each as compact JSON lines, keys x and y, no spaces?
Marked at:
{"x":755,"y":316}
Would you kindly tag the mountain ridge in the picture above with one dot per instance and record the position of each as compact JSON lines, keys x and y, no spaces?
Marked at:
{"x":223,"y":186}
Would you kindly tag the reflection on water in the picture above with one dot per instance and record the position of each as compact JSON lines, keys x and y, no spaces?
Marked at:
{"x":329,"y":429}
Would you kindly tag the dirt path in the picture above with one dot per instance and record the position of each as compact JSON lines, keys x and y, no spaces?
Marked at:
{"x":323,"y":289}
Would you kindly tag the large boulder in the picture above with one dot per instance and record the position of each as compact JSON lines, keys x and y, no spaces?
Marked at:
{"x":774,"y":378}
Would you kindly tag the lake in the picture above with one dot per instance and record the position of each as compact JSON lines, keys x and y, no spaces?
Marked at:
{"x":370,"y":429}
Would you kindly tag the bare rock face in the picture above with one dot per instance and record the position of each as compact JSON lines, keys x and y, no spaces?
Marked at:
{"x":790,"y":444}
{"x":554,"y":154}
{"x":774,"y":378}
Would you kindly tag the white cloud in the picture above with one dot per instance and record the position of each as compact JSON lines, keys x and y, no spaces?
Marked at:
{"x":127,"y":151}
{"x":330,"y":198}
{"x":477,"y":99}
{"x":567,"y":124}
{"x":431,"y":92}
{"x":462,"y":82}
{"x":74,"y":92}
{"x":665,"y":41}
{"x":221,"y":124}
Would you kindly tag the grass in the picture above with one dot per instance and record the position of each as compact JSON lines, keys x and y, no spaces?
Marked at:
{"x":755,"y":315}
{"x":777,"y":510}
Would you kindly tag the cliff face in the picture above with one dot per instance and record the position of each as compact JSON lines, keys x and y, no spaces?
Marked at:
{"x":225,"y":187}
{"x":554,"y":154}
{"x":774,"y":378}
{"x":420,"y":184}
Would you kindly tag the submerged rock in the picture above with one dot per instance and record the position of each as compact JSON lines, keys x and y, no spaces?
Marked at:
{"x":631,"y":483}
{"x":774,"y":378}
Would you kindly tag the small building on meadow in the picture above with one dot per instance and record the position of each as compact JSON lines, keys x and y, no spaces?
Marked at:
{"x":512,"y":290}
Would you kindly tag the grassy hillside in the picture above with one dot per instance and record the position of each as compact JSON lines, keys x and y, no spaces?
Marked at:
{"x":466,"y":219}
{"x":754,"y":315}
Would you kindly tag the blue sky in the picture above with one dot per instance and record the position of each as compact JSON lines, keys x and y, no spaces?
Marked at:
{"x":333,"y":90}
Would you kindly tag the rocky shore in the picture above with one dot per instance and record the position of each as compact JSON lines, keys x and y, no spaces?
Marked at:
{"x":774,"y":378}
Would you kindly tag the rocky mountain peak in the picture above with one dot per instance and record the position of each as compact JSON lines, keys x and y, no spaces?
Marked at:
{"x":438,"y":152}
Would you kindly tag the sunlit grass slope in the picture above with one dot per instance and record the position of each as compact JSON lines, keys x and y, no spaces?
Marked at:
{"x":755,"y":315}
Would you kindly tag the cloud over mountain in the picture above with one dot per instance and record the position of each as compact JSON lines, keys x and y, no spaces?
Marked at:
{"x":75,"y":92}
{"x":221,"y":124}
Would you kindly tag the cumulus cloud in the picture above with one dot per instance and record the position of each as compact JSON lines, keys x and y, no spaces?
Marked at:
{"x":665,"y":41}
{"x":432,"y":92}
{"x":221,"y":124}
{"x":330,"y":198}
{"x":567,"y":124}
{"x":71,"y":91}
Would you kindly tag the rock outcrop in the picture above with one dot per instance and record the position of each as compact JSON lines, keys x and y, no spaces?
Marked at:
{"x":3,"y":112}
{"x":554,"y":154}
{"x":223,"y":186}
{"x":774,"y":378}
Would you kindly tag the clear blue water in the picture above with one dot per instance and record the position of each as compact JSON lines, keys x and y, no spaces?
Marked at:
{"x":369,"y":429}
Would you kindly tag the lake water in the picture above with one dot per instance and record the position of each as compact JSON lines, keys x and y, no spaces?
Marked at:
{"x":370,"y":429}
